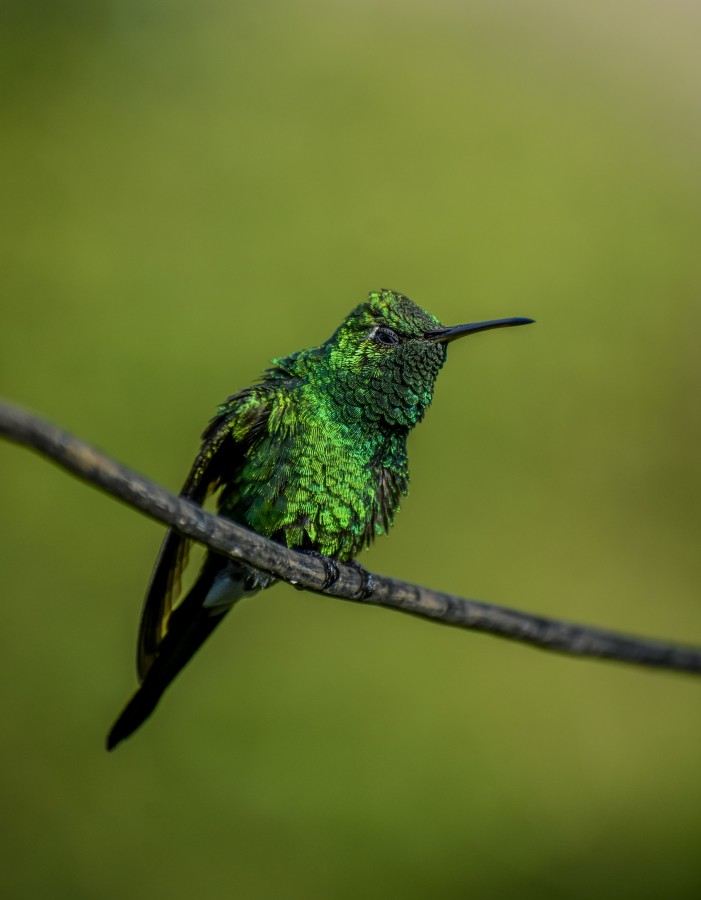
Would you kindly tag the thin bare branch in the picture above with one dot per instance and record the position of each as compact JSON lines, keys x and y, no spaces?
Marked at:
{"x":310,"y":573}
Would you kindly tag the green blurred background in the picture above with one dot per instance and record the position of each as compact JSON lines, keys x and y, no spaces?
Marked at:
{"x":189,"y":189}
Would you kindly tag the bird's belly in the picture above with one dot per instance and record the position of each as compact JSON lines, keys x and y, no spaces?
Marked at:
{"x":307,"y":499}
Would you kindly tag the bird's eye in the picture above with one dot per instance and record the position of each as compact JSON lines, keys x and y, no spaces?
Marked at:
{"x":385,"y":337}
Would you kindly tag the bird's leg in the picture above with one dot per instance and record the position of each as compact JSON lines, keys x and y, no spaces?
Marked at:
{"x":367,"y":586}
{"x":332,"y":574}
{"x":330,"y":568}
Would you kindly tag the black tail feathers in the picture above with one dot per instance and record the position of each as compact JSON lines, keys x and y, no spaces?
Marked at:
{"x":188,"y":628}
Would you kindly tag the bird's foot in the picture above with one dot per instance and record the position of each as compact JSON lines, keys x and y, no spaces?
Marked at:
{"x":367,"y":585}
{"x":330,"y":568}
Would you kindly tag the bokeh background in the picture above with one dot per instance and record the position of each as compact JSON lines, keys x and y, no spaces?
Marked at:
{"x":189,"y":189}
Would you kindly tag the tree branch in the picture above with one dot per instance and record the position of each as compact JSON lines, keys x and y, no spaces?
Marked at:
{"x":310,"y":573}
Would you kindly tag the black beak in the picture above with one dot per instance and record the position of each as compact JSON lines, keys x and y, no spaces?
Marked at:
{"x":446,"y":335}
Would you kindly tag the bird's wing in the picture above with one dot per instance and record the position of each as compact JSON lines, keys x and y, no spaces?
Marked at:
{"x":230,"y":434}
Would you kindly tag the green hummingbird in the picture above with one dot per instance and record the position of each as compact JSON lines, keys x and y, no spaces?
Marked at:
{"x":313,"y":456}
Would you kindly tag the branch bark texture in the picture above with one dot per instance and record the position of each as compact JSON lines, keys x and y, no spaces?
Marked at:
{"x":310,"y":573}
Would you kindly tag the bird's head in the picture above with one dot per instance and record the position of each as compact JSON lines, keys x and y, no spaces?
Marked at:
{"x":386,"y":354}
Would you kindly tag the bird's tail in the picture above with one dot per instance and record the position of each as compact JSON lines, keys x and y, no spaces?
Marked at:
{"x":188,"y":628}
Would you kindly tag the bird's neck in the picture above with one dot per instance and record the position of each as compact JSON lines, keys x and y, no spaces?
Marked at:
{"x":367,"y":402}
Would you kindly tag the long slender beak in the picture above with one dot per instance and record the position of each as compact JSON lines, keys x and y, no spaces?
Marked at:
{"x":446,"y":335}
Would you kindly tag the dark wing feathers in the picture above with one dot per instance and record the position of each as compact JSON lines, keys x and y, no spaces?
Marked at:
{"x":239,"y":422}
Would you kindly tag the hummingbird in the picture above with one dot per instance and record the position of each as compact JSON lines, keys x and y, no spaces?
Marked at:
{"x":313,"y":456}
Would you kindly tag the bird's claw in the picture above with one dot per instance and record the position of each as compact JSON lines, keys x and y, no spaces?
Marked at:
{"x":330,"y":568}
{"x":367,"y":585}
